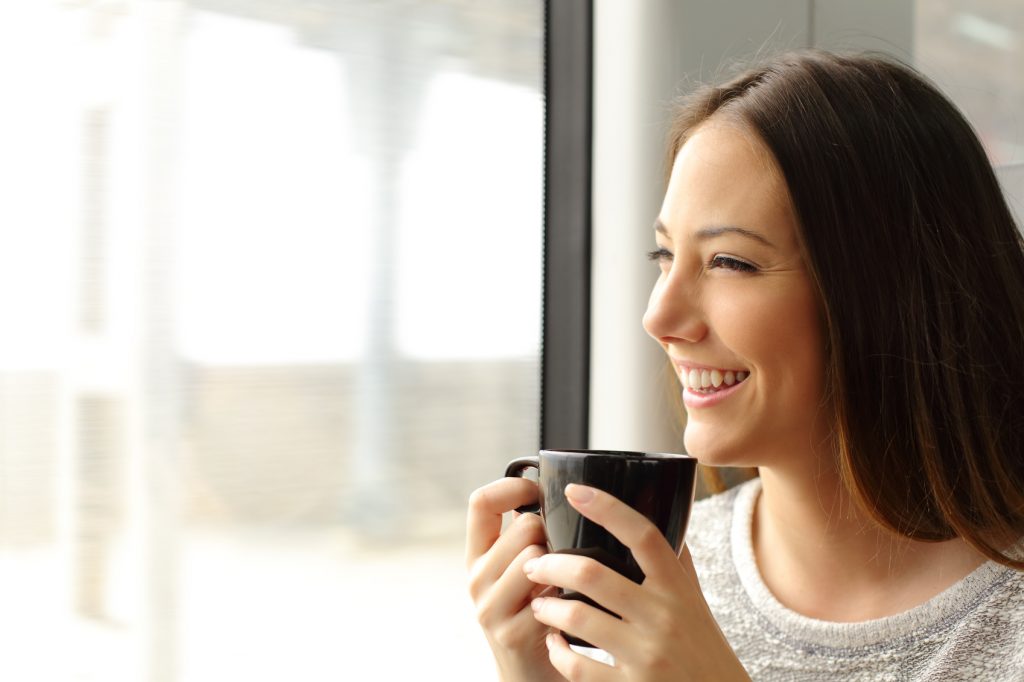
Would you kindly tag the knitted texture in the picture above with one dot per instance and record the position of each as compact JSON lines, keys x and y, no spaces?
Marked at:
{"x":972,"y":631}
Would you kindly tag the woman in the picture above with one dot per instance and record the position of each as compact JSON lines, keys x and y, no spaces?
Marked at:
{"x":842,"y":297}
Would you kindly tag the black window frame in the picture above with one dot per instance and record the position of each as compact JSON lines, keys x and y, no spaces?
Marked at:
{"x":565,"y":349}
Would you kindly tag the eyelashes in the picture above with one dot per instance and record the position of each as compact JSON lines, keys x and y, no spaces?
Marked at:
{"x":659,"y":255}
{"x":731,"y":264}
{"x":663,"y":255}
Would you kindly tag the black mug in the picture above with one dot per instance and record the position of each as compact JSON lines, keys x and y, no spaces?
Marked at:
{"x":660,"y":486}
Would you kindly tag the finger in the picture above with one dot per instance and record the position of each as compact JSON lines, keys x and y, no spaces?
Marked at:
{"x":486,"y":507}
{"x":588,"y":576}
{"x":650,"y":548}
{"x":512,"y":591}
{"x":523,"y":629}
{"x":523,"y":532}
{"x":518,"y":632}
{"x":576,"y":667}
{"x":587,"y":622}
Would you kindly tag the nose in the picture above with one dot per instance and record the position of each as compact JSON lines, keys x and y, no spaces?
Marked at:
{"x":674,"y":313}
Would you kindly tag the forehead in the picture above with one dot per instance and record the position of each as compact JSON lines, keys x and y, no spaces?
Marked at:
{"x":724,"y":175}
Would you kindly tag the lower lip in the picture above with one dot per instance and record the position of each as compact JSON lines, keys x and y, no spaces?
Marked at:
{"x":692,"y":399}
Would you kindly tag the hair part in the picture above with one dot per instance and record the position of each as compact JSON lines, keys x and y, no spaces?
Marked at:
{"x":919,"y":268}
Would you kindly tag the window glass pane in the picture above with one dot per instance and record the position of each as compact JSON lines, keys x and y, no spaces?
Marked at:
{"x":972,"y":50}
{"x":272,"y":285}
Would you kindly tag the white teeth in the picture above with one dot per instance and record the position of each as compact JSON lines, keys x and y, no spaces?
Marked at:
{"x":703,"y":379}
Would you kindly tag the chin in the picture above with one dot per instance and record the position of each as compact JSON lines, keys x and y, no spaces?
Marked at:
{"x":715,"y":451}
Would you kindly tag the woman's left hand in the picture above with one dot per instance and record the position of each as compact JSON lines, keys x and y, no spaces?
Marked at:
{"x":667,"y":631}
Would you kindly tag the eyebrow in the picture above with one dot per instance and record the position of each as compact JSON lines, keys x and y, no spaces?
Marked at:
{"x":718,"y":230}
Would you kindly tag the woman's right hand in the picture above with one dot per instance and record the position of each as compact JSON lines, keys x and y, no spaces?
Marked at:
{"x":497,"y":584}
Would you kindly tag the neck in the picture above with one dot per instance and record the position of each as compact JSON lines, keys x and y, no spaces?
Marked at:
{"x":823,"y":556}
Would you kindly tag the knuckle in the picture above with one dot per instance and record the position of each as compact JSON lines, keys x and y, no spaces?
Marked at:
{"x":530,"y":552}
{"x":650,"y":537}
{"x":478,"y":499}
{"x":587,"y":573}
{"x":575,"y":615}
{"x":485,"y":613}
{"x":662,"y":619}
{"x":509,"y":637}
{"x":477,"y":584}
{"x":532,"y":525}
{"x":656,"y":657}
{"x":657,"y":652}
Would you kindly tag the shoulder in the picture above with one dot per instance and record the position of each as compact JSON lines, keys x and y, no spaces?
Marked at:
{"x":1000,"y":611}
{"x":988,"y":641}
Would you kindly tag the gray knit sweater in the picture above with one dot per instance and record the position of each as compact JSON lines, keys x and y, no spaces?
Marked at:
{"x":972,"y":631}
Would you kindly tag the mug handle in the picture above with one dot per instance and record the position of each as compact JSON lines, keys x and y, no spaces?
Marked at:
{"x":516,"y":468}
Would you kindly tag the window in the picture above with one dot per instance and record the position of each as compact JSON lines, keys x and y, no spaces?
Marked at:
{"x":971,"y":49}
{"x":275,"y":274}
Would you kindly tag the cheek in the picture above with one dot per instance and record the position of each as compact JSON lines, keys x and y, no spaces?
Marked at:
{"x":745,"y":323}
{"x":780,"y":336}
{"x":795,"y":352}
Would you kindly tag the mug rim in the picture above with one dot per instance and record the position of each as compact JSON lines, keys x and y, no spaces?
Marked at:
{"x":628,"y":455}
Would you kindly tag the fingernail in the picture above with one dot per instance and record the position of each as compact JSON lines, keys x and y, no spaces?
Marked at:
{"x":549,"y":641}
{"x":529,"y":566}
{"x":537,"y":603}
{"x":579,"y":494}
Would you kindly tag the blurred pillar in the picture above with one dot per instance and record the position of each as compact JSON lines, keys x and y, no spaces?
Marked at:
{"x":90,"y":430}
{"x":119,"y":407}
{"x":156,"y":377}
{"x":387,"y":75}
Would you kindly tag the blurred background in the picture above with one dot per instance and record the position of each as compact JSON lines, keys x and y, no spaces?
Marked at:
{"x":272,"y":282}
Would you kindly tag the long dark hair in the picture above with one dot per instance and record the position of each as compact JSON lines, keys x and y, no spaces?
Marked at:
{"x":919,"y":267}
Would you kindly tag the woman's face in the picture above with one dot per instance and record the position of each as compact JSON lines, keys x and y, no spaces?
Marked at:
{"x":734,"y":307}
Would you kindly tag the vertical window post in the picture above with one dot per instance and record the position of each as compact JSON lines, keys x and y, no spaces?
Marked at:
{"x":565,"y":364}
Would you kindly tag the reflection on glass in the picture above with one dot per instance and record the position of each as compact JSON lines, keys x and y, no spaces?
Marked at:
{"x":973,"y":51}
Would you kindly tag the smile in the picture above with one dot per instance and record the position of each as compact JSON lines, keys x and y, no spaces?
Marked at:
{"x":697,"y":396}
{"x":709,"y":381}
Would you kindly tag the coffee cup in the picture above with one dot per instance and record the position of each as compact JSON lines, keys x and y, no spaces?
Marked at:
{"x":658,"y":485}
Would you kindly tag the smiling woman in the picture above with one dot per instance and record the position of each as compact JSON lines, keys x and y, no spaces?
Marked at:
{"x":880,"y":337}
{"x":841,"y":295}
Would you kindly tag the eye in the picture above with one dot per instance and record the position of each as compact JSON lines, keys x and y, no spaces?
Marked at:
{"x":660,"y":255}
{"x":729,"y":263}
